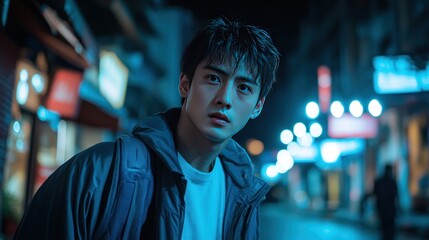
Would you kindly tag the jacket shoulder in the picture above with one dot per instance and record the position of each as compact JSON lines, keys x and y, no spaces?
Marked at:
{"x":92,"y":194}
{"x":128,"y":153}
{"x":135,"y":153}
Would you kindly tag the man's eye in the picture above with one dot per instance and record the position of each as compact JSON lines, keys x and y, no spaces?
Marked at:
{"x":213,"y":79}
{"x":245,"y":88}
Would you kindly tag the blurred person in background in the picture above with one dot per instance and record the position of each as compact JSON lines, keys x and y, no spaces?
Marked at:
{"x":386,"y":202}
{"x":180,"y":175}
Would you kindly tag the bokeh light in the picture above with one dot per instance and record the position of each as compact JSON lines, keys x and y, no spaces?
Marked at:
{"x":312,"y":110}
{"x":375,"y":108}
{"x":286,"y":136}
{"x":255,"y":146}
{"x":299,"y":129}
{"x":337,"y":109}
{"x":316,"y":130}
{"x":356,"y":108}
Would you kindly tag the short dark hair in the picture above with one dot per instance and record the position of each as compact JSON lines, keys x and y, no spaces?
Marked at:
{"x":223,"y":40}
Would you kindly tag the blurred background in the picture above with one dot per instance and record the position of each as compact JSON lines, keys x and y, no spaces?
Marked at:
{"x":352,"y":95}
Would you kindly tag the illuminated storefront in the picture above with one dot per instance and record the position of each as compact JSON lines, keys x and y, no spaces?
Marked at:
{"x":48,"y":128}
{"x":30,"y":86}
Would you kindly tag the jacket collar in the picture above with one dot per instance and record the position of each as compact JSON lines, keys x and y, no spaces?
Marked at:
{"x":158,"y":132}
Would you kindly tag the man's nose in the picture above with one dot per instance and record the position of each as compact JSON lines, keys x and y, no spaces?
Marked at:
{"x":224,"y":95}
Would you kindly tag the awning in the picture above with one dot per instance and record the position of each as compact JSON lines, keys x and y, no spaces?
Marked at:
{"x":92,"y":115}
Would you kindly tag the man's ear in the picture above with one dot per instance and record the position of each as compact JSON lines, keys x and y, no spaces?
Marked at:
{"x":183,"y":85}
{"x":258,"y":108}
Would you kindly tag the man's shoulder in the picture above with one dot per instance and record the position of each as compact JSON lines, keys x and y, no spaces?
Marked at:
{"x":101,"y":148}
{"x":126,"y":154}
{"x":109,"y":148}
{"x":135,"y":153}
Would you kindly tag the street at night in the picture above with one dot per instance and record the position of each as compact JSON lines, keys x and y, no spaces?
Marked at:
{"x":280,"y":222}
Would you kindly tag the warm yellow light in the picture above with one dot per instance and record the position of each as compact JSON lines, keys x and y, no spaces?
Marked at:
{"x":255,"y":146}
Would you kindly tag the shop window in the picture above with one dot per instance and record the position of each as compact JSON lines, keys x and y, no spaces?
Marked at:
{"x":15,"y":174}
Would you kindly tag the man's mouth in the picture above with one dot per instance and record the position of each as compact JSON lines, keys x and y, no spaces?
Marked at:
{"x":219,"y":116}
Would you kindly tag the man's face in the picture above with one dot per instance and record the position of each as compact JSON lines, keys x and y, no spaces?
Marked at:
{"x":219,"y":102}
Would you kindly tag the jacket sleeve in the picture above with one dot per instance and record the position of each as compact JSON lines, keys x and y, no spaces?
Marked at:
{"x":79,"y":200}
{"x":66,"y":206}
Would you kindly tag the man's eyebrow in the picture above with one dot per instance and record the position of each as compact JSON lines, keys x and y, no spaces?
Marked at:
{"x":216,"y":69}
{"x":223,"y":72}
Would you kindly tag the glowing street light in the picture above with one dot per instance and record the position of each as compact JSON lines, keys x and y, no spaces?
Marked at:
{"x":299,"y":129}
{"x":337,"y":109}
{"x":286,"y":136}
{"x":356,"y":108}
{"x":316,"y":130}
{"x":375,"y":108}
{"x":312,"y":110}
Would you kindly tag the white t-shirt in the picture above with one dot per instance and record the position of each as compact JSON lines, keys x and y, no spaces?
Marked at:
{"x":204,"y":201}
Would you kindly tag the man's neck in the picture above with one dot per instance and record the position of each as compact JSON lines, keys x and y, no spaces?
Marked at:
{"x":196,"y":149}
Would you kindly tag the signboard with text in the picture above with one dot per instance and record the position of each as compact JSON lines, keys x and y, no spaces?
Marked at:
{"x":64,"y":95}
{"x":398,"y":74}
{"x":324,"y":87}
{"x":348,"y":126}
{"x":113,"y":79}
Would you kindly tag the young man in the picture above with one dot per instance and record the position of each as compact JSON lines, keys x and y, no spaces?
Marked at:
{"x":180,"y":175}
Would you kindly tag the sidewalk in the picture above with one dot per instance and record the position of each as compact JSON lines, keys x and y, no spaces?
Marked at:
{"x":415,"y":226}
{"x":407,"y":223}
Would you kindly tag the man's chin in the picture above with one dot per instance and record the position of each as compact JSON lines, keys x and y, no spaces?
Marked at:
{"x":217,"y":138}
